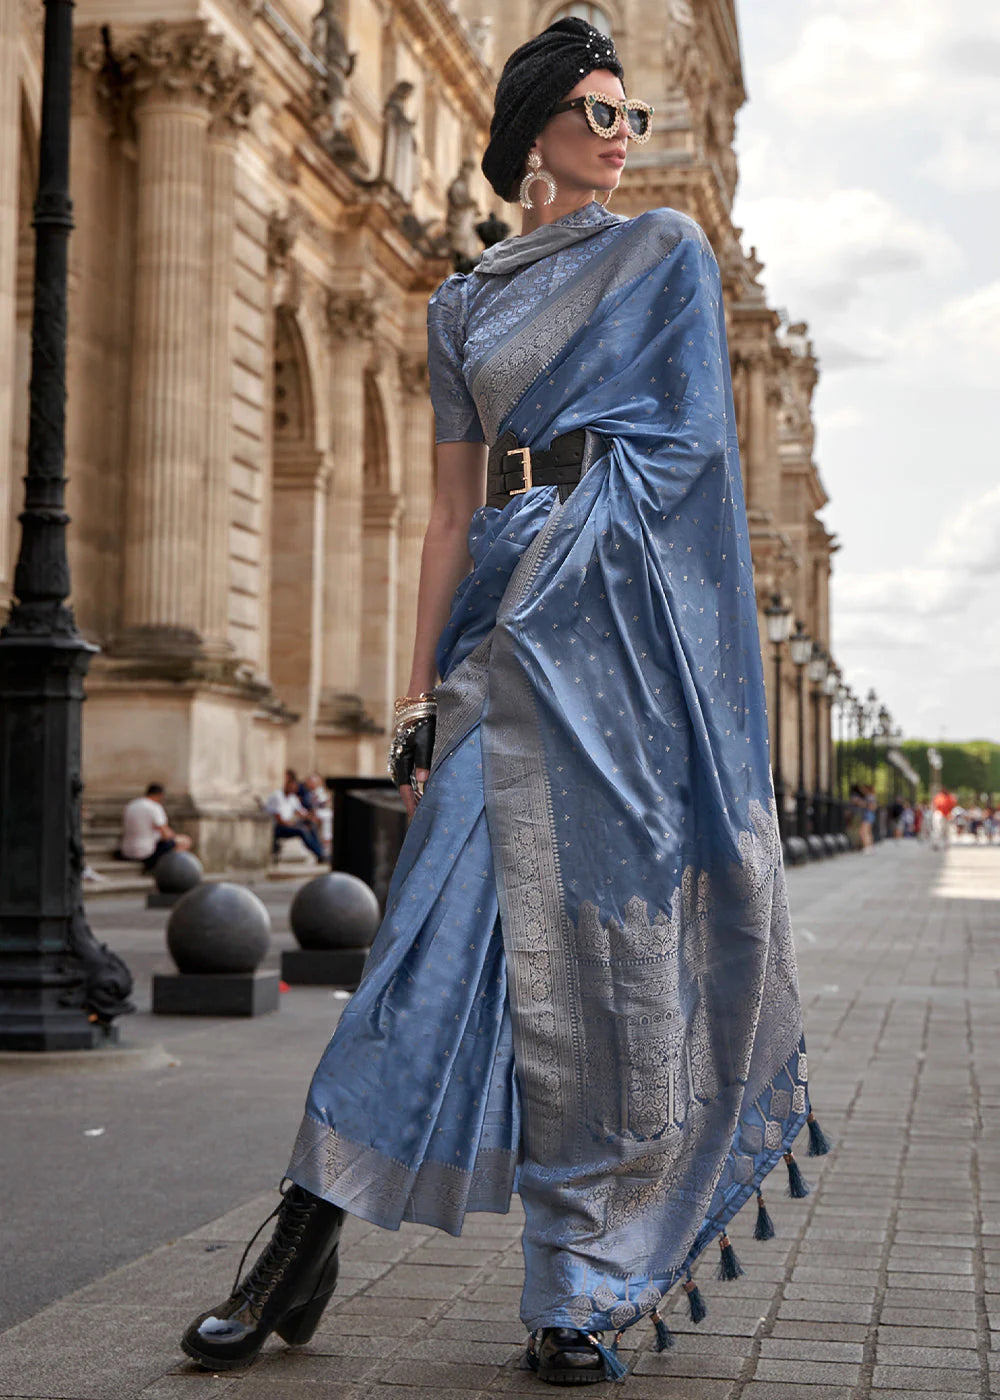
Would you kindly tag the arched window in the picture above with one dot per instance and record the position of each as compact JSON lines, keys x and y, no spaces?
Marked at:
{"x":593,"y":14}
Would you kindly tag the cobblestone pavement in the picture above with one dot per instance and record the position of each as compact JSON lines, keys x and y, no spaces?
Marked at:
{"x":885,"y":1282}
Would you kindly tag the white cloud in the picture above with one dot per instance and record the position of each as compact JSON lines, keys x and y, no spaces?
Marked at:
{"x":967,"y":161}
{"x":834,"y":239}
{"x":907,"y":593}
{"x":970,"y":540}
{"x":839,"y":65}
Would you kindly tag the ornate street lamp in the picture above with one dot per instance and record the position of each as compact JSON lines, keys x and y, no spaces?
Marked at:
{"x":831,"y":689}
{"x":58,"y":989}
{"x":871,"y":719}
{"x":800,"y":644}
{"x":778,"y":616}
{"x":857,"y":746}
{"x":816,"y":670}
{"x":845,"y":700}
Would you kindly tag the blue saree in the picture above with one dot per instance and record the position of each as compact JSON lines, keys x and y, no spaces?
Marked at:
{"x":584,"y":988}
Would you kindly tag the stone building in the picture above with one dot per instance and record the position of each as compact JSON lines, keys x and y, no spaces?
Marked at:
{"x":265,"y":195}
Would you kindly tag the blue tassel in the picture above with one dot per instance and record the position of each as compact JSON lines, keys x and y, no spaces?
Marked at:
{"x":613,"y":1368}
{"x":764,"y":1228}
{"x":664,"y":1336}
{"x":696,"y":1302}
{"x":729,"y":1265}
{"x":798,"y":1187}
{"x":819,"y":1143}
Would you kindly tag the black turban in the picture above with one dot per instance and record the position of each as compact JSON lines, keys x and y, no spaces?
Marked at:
{"x":535,"y":78}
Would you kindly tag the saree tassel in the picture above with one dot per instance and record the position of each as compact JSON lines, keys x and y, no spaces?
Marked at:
{"x":764,"y":1228}
{"x":729,"y":1265}
{"x":664,"y":1336}
{"x":696,"y":1302}
{"x":819,"y":1143}
{"x":613,"y":1368}
{"x":798,"y":1187}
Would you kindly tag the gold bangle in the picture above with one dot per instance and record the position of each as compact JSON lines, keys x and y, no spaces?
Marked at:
{"x":405,"y":700}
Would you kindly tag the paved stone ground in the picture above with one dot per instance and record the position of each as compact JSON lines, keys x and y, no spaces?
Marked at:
{"x":884,"y":1283}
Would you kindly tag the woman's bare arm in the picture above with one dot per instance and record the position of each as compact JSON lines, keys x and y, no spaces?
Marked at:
{"x":444,"y":562}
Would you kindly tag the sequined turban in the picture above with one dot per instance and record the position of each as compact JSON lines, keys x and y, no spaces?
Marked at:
{"x":535,"y":77}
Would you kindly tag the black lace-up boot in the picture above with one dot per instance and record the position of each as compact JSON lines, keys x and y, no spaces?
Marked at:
{"x":285,"y":1291}
{"x":563,"y":1356}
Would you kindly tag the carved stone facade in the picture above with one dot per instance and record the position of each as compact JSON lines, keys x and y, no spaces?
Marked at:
{"x":261,"y":204}
{"x":265,"y":195}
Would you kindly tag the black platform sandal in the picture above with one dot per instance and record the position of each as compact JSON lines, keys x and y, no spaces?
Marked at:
{"x":285,"y":1291}
{"x":563,"y":1356}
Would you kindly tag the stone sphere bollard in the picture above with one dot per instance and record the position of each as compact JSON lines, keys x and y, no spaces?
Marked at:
{"x":177,"y":872}
{"x":335,"y":911}
{"x":218,"y":928}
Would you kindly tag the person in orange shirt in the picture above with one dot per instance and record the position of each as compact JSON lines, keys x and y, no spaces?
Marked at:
{"x":944,"y":804}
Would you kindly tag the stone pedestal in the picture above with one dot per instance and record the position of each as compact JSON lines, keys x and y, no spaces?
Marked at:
{"x":215,"y":993}
{"x":323,"y":967}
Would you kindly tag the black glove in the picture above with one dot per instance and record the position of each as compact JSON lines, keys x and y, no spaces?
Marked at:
{"x":412,"y":749}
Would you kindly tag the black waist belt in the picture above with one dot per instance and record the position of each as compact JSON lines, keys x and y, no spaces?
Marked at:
{"x":511,"y":469}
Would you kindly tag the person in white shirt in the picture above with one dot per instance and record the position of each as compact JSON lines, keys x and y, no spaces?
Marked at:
{"x":291,"y":818}
{"x":146,"y":832}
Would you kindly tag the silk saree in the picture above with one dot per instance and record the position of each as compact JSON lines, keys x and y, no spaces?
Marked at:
{"x":584,"y":988}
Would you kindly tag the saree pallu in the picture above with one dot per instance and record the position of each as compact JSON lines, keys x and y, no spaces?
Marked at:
{"x":584,"y":988}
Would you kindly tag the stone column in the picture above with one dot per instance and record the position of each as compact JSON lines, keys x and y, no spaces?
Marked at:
{"x":176,"y":77}
{"x":351,"y":322}
{"x":234,"y":105}
{"x":10,"y":150}
{"x":417,"y":495}
{"x":380,"y":582}
{"x":300,"y":480}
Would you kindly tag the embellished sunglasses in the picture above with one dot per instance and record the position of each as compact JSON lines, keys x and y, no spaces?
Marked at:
{"x":604,"y":114}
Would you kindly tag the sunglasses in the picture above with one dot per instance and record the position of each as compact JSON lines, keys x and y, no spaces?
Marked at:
{"x":604,"y":114}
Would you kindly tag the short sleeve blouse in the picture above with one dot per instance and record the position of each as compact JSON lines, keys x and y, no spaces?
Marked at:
{"x":455,"y":415}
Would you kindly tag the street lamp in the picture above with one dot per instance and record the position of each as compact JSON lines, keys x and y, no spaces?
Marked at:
{"x":816,"y":670}
{"x":800,"y":644}
{"x":778,"y":616}
{"x":59,"y":990}
{"x":871,"y":718}
{"x":831,"y":689}
{"x":845,"y":701}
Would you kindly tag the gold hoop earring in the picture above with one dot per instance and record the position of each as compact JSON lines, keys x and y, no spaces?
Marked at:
{"x":536,"y":172}
{"x":606,"y":200}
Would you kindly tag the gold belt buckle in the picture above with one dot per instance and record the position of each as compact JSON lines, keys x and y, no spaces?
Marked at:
{"x":525,"y":455}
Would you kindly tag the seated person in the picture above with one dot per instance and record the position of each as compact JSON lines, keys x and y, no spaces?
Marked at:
{"x":291,"y":818}
{"x":146,"y":833}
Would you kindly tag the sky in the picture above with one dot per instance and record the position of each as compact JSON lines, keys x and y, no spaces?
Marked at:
{"x":869,"y":157}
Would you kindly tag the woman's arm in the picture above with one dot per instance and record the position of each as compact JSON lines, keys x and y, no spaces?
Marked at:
{"x":461,"y":490}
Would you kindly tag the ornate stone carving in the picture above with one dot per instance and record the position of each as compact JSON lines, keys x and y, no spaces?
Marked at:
{"x":188,"y":63}
{"x":328,"y":41}
{"x":282,"y":230}
{"x":460,"y":225}
{"x":351,"y":314}
{"x":398,"y":166}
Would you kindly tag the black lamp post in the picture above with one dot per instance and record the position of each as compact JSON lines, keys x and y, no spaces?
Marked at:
{"x":843,"y":702}
{"x":58,"y":989}
{"x":816,"y":668}
{"x":871,"y":720}
{"x":800,"y":645}
{"x":778,"y":617}
{"x":831,"y":689}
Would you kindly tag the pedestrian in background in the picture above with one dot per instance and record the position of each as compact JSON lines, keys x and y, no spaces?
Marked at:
{"x":146,"y":833}
{"x":942,"y":812}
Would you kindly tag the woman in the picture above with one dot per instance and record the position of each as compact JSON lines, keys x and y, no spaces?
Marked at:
{"x":584,"y":988}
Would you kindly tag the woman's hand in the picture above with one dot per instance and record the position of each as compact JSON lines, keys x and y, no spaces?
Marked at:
{"x":461,"y":489}
{"x":410,"y":760}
